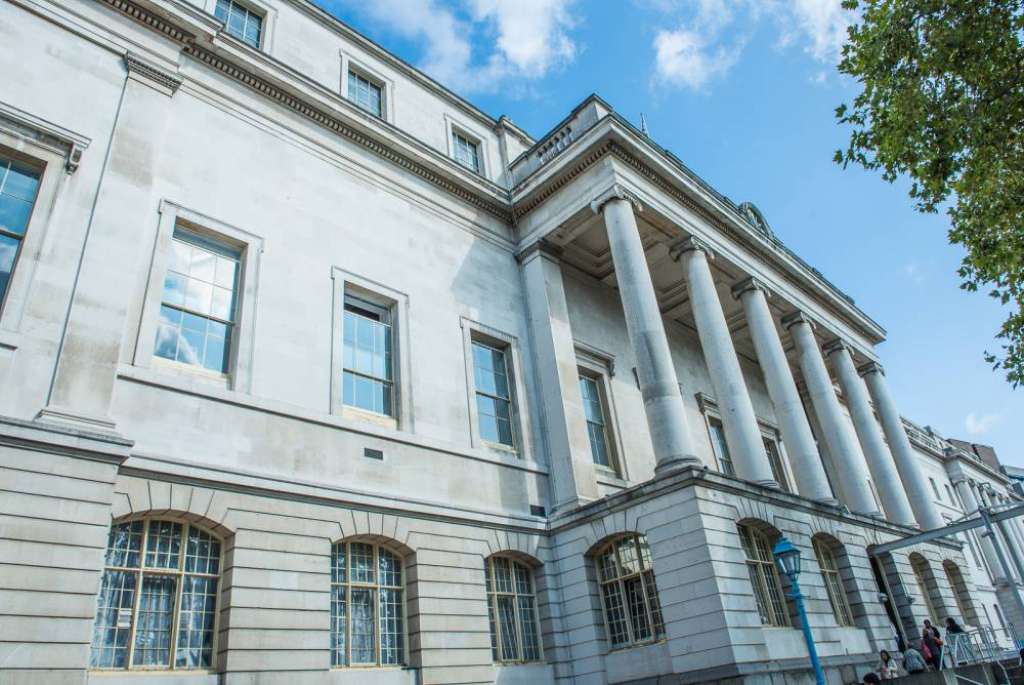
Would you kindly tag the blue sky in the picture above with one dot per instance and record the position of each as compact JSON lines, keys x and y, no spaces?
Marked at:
{"x":743,"y":91}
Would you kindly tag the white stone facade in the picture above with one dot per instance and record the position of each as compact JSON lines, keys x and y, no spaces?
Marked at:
{"x":145,"y":125}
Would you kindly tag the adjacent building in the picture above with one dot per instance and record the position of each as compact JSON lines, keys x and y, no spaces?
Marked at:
{"x":313,"y":372}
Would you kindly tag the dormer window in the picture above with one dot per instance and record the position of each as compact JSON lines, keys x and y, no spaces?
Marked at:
{"x":240,"y":21}
{"x":366,"y":93}
{"x":466,"y":152}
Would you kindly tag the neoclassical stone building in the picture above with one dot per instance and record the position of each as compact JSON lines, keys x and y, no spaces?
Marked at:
{"x":312,"y":372}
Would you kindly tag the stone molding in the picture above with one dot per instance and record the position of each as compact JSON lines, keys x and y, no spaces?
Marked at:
{"x":146,"y":72}
{"x":616,"y":192}
{"x":51,"y":136}
{"x":749,"y":284}
{"x":67,"y":440}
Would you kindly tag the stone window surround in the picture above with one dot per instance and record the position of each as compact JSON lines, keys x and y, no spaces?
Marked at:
{"x":250,"y":246}
{"x":387,"y":85}
{"x":49,"y":148}
{"x":522,"y":435}
{"x":709,"y":411}
{"x":398,"y":303}
{"x":600,"y":366}
{"x":472,"y":134}
{"x":268,"y":13}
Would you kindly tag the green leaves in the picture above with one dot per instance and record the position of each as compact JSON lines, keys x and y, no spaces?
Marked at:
{"x":942,"y":102}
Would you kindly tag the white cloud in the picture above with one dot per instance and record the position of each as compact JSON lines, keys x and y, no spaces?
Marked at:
{"x":524,"y":39}
{"x":914,"y":273}
{"x":710,"y":37}
{"x":976,"y":425}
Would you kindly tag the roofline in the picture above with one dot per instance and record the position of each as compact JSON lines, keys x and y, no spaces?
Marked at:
{"x":345,"y":30}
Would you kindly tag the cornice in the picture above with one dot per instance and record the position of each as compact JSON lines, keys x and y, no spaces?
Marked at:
{"x":47,"y":134}
{"x":304,"y":108}
{"x":151,"y":74}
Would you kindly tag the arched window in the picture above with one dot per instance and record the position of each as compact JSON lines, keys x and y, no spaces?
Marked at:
{"x":512,"y":610}
{"x":923,"y":576}
{"x":829,"y":566}
{"x":631,"y":607}
{"x":771,"y":603}
{"x":960,"y":593}
{"x":158,"y":600}
{"x":367,"y":606}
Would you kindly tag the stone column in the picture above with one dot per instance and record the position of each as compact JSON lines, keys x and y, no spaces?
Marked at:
{"x":565,"y":428}
{"x":808,"y":469}
{"x":880,"y":462}
{"x":746,"y":446}
{"x":899,"y":444}
{"x":116,"y":245}
{"x":1009,"y":545}
{"x":663,"y":404}
{"x":966,"y":492}
{"x":842,"y":445}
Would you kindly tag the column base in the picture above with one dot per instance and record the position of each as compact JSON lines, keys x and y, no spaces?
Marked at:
{"x":677,"y":463}
{"x":772,"y":484}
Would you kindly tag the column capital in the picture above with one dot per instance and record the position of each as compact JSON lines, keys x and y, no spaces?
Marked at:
{"x":793,"y":318}
{"x":871,"y":367}
{"x":615,"y":192}
{"x":836,"y":345}
{"x":690,"y":244}
{"x":749,"y":284}
{"x":542,"y":248}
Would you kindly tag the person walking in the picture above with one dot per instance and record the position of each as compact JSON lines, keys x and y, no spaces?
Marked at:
{"x":888,"y":669}
{"x":931,"y":645}
{"x":913,"y":661}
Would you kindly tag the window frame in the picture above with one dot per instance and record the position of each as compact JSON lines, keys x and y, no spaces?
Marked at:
{"x":836,"y":589}
{"x":250,"y":249}
{"x":769,"y":433}
{"x":266,"y":12}
{"x":452,"y":127}
{"x":347,"y":284}
{"x":758,"y":567}
{"x":521,"y":427}
{"x":600,"y":366}
{"x":179,"y":574}
{"x":490,"y":586}
{"x":376,"y":586}
{"x":612,"y":545}
{"x":349,"y":63}
{"x":56,"y":153}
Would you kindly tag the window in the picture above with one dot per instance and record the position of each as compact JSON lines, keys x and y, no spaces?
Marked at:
{"x":921,"y":575}
{"x":367,"y":359}
{"x":367,"y":606}
{"x":631,"y":608}
{"x":158,"y":601}
{"x":1002,"y":623}
{"x":493,"y":394}
{"x":365,"y":93}
{"x":771,"y":604}
{"x":241,"y":22}
{"x":512,"y":611}
{"x":771,"y":450}
{"x":720,"y":447}
{"x":197,"y":313}
{"x":597,"y":430}
{"x":935,"y":489}
{"x":949,"y":494}
{"x":465,"y":151}
{"x":19,"y":185}
{"x":833,"y":582}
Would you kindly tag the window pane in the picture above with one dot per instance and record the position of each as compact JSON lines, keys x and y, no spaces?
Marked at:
{"x":615,"y":613}
{"x":654,"y":602}
{"x":156,"y":611}
{"x":361,"y":563}
{"x":163,"y":545}
{"x":20,"y":182}
{"x":528,"y":629}
{"x":338,"y":617}
{"x":507,"y":619}
{"x":202,"y":554}
{"x":598,"y":447}
{"x":364,"y":646}
{"x":391,"y":626}
{"x":390,"y":568}
{"x":124,"y":543}
{"x":14,"y":214}
{"x":502,"y":575}
{"x":522,"y":577}
{"x":339,"y":569}
{"x":637,"y":608}
{"x":112,"y":629}
{"x":494,"y":631}
{"x":195,"y":622}
{"x":628,"y":555}
{"x":8,"y":253}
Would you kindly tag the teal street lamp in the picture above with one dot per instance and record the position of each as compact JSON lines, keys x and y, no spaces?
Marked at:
{"x":787,"y":556}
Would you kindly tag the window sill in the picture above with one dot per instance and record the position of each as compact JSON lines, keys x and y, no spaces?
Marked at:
{"x":357,"y":414}
{"x":635,"y":645}
{"x":183,"y":370}
{"x":186,"y":383}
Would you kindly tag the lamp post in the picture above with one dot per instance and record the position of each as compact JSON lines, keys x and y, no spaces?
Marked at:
{"x":787,"y":556}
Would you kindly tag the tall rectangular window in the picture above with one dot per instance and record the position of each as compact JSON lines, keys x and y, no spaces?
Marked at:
{"x":465,"y":151}
{"x":241,"y":22}
{"x":365,"y":93}
{"x":368,"y":358}
{"x":493,"y":394}
{"x":594,"y":411}
{"x":18,"y":187}
{"x":771,"y":450}
{"x":720,"y":447}
{"x":935,"y":489}
{"x":197,"y":313}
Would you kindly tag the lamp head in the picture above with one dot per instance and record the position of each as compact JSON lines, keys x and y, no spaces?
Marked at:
{"x":787,"y":556}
